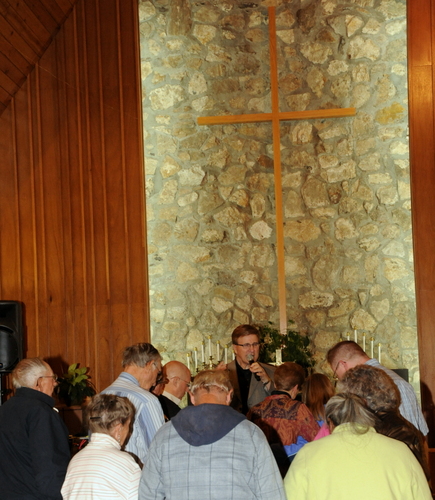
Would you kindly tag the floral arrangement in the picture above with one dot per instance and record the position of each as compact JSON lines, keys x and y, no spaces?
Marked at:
{"x":293,"y":345}
{"x":74,"y":386}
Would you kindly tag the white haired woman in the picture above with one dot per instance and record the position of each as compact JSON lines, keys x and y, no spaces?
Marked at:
{"x":354,"y":461}
{"x":102,"y":470}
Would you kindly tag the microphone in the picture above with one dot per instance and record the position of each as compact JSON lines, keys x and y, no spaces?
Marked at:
{"x":250,"y":358}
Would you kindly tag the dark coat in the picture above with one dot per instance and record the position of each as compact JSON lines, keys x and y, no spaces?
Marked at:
{"x":34,"y":449}
{"x":170,"y":409}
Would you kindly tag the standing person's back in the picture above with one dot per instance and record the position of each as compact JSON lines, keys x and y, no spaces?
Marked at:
{"x":355,"y":462}
{"x":34,"y":449}
{"x":142,"y":365}
{"x":209,"y":451}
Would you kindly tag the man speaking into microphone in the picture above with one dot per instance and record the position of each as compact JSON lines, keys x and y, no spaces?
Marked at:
{"x":252,"y":381}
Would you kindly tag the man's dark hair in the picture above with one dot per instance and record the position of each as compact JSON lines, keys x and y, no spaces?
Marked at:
{"x":243,"y":331}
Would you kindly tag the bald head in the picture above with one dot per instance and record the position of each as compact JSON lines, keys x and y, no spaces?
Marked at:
{"x":178,"y":377}
{"x":344,"y":356}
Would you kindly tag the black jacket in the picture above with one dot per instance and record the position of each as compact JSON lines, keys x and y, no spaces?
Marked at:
{"x":34,"y":449}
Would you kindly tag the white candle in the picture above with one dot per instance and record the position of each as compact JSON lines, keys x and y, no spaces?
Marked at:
{"x":379,"y":352}
{"x":226,"y":354}
{"x":196,"y":358}
{"x":209,"y":346}
{"x":203,"y":351}
{"x":188,"y":360}
{"x":348,"y":336}
{"x":356,"y":336}
{"x":218,"y":345}
{"x":372,"y":340}
{"x":364,"y":342}
{"x":278,"y":357}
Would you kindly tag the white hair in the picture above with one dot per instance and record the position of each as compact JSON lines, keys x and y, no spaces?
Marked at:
{"x":27,"y":372}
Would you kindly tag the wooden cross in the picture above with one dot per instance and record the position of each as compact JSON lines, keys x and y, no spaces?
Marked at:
{"x":275,"y":117}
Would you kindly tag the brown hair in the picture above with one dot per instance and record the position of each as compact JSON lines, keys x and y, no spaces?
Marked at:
{"x":345,"y":350}
{"x":316,"y":392}
{"x":373,"y":385}
{"x":107,"y":410}
{"x":288,"y":375}
{"x":242,"y":331}
{"x":139,"y":355}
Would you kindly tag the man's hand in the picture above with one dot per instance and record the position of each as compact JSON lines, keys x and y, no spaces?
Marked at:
{"x":221,"y":366}
{"x":259,"y":370}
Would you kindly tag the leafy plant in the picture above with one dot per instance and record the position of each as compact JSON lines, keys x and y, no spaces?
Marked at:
{"x":295,"y":347}
{"x":74,"y":386}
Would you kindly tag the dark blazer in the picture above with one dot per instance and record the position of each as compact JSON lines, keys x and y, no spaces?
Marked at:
{"x":257,"y":392}
{"x":170,"y":409}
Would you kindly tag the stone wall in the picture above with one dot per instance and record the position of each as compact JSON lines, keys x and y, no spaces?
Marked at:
{"x":210,"y":190}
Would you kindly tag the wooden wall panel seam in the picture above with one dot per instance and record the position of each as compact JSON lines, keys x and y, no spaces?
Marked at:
{"x":81,"y":172}
{"x":90,"y":256}
{"x":17,"y":198}
{"x":123,"y":163}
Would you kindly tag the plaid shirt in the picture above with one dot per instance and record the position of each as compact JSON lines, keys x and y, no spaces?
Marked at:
{"x":239,"y":466}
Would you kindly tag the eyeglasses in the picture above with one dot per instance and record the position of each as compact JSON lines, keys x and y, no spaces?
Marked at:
{"x":334,"y":375}
{"x":54,"y":377}
{"x":179,"y":378}
{"x":247,"y":346}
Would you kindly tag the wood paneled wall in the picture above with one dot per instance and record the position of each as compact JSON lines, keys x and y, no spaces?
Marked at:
{"x":72,"y":215}
{"x":421,"y":63}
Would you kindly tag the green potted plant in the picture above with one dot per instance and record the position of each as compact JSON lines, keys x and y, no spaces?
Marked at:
{"x":74,"y":386}
{"x":293,"y":345}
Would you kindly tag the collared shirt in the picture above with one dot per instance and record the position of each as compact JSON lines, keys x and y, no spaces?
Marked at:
{"x":172,"y":397}
{"x":409,"y":407}
{"x":149,"y":414}
{"x":102,"y":470}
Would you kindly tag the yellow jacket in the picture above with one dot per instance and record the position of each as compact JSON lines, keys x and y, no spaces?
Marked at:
{"x":347,"y":465}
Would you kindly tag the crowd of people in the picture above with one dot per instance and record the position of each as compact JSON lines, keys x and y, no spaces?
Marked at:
{"x":249,"y":431}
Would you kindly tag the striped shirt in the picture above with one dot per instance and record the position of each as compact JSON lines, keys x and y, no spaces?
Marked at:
{"x":149,"y":414}
{"x":101,"y":471}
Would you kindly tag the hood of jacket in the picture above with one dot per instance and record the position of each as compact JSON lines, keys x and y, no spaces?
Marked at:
{"x":206,"y":423}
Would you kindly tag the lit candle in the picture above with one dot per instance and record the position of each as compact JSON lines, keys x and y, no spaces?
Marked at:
{"x":372,"y":340}
{"x":379,"y":352}
{"x":364,"y":342}
{"x":226,"y":354}
{"x":188,"y":360}
{"x":196,"y":358}
{"x":348,"y":336}
{"x":203,"y":351}
{"x":278,"y":357}
{"x":218,"y":344}
{"x":355,"y":336}
{"x":209,"y":346}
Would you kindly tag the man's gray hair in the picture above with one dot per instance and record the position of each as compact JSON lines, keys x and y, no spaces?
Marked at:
{"x":27,"y":372}
{"x":139,"y":355}
{"x":211,"y":379}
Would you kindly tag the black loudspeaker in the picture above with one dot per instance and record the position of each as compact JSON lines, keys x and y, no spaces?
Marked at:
{"x":11,"y":334}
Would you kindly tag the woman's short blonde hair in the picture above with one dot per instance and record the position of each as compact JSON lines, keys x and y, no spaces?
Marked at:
{"x":105,"y":411}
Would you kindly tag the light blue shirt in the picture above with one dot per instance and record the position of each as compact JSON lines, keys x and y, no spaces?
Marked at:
{"x":149,"y":414}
